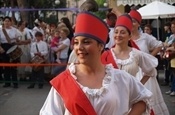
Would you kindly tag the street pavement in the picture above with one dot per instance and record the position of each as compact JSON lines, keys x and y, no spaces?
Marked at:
{"x":23,"y":101}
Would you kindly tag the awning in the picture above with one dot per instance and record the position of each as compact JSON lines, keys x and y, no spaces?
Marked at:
{"x":141,"y":2}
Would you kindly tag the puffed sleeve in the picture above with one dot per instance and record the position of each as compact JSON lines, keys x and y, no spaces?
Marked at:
{"x":147,"y":63}
{"x":53,"y":104}
{"x":153,"y":43}
{"x":138,"y":92}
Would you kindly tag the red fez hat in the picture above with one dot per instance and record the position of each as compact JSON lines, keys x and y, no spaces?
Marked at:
{"x":125,"y":21}
{"x":91,"y":26}
{"x":136,"y":15}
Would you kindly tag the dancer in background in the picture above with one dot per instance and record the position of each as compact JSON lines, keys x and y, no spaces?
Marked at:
{"x":147,"y":43}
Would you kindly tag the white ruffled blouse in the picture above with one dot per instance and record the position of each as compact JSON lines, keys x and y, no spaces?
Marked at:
{"x":137,"y":59}
{"x":118,"y":93}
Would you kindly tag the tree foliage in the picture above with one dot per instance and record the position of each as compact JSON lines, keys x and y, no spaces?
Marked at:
{"x":101,"y":14}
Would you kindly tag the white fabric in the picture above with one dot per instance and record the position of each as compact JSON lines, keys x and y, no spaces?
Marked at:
{"x":25,"y":57}
{"x":157,"y":9}
{"x":140,"y":2}
{"x":118,"y":92}
{"x":42,"y":47}
{"x":147,"y":43}
{"x":64,"y":52}
{"x":111,"y":42}
{"x":72,"y":57}
{"x":13,"y":34}
{"x":137,"y":59}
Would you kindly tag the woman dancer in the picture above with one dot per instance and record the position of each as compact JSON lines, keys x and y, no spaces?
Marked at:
{"x":91,"y":88}
{"x":145,"y":43}
{"x":150,"y":45}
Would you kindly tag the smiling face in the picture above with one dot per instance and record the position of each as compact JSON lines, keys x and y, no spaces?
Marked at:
{"x":121,"y":35}
{"x":87,"y":50}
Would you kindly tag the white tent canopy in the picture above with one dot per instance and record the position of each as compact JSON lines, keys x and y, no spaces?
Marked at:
{"x":141,"y":2}
{"x":157,"y":9}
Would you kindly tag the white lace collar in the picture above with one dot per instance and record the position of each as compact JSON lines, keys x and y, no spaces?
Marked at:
{"x":94,"y":92}
{"x":126,"y":61}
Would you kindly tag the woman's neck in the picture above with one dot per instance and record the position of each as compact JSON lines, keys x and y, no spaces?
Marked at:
{"x":91,"y":68}
{"x":121,"y":48}
{"x":21,"y":29}
{"x":135,"y":35}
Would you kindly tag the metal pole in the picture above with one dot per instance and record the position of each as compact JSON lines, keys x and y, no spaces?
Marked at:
{"x":158,"y":36}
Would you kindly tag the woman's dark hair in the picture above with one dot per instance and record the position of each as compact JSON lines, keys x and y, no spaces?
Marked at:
{"x":173,"y":22}
{"x":7,"y":17}
{"x":66,"y":21}
{"x":149,"y":26}
{"x":167,"y":24}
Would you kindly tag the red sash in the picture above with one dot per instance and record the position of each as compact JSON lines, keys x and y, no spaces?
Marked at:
{"x":133,"y":44}
{"x":74,"y":98}
{"x":107,"y":58}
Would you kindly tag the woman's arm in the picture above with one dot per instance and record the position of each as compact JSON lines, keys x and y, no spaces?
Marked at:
{"x":156,"y":50}
{"x":138,"y":108}
{"x":144,"y":79}
{"x":170,"y":48}
{"x":61,"y":47}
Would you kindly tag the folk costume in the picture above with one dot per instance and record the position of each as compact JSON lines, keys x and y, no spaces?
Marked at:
{"x":68,"y":97}
{"x":10,"y":73}
{"x":147,"y":43}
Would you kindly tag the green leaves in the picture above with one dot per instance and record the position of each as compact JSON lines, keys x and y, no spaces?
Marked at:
{"x":101,"y":14}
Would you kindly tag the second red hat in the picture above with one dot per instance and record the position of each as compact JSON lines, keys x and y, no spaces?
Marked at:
{"x":136,"y":15}
{"x":125,"y":21}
